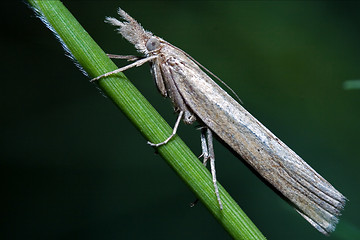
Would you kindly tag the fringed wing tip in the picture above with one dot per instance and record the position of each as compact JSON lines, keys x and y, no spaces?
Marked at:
{"x":331,"y":224}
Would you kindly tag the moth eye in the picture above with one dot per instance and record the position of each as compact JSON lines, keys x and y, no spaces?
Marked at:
{"x":152,"y":44}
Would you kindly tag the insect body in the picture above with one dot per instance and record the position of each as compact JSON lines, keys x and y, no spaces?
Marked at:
{"x":197,"y":97}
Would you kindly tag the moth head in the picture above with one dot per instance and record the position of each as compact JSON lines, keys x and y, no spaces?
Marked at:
{"x":131,"y":30}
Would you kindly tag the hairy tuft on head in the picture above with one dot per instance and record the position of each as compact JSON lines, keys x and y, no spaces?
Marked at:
{"x":131,"y":30}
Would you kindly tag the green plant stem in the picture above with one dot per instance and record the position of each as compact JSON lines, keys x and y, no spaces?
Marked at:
{"x":151,"y":125}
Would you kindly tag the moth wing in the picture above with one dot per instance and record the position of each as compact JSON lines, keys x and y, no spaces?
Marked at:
{"x":310,"y":194}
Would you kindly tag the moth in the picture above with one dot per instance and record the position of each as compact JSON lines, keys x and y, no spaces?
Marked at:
{"x":196,"y":97}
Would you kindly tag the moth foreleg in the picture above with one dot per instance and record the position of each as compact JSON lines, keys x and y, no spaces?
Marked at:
{"x":172,"y":134}
{"x":126,"y":57}
{"x":135,"y":64}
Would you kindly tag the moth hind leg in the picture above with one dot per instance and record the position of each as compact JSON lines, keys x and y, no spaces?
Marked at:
{"x":207,"y":139}
{"x":208,"y":154}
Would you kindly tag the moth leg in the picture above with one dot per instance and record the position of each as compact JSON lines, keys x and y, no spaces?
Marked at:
{"x":172,"y":134}
{"x":204,"y":155}
{"x":127,"y":57}
{"x":204,"y":147}
{"x":157,"y":75}
{"x":135,"y":64}
{"x":211,"y":156}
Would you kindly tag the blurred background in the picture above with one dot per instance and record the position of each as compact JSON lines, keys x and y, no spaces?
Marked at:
{"x":73,"y":167}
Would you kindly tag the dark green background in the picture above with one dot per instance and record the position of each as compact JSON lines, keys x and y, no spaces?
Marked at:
{"x":73,"y":167}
